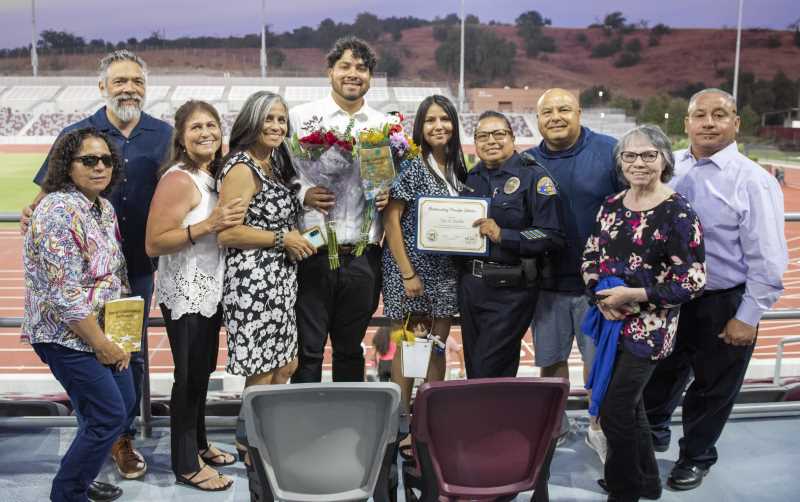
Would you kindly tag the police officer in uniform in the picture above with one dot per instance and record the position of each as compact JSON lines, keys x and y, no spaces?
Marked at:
{"x":497,"y":294}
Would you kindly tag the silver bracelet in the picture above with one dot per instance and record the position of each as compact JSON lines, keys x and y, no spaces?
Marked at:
{"x":279,"y":235}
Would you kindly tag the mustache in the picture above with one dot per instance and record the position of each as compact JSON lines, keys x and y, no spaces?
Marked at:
{"x":128,"y":96}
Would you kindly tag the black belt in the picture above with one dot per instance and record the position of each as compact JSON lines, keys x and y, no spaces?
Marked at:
{"x":345,"y":249}
{"x":713,"y":292}
{"x":476,"y":267}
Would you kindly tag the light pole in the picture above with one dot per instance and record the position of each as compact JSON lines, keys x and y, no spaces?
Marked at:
{"x":263,"y":40}
{"x":666,"y":123}
{"x":738,"y":50}
{"x":34,"y":40}
{"x":461,"y":64}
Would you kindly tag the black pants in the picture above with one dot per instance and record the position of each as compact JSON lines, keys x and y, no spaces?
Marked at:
{"x":718,"y":370}
{"x":194,"y":341}
{"x":340,"y":303}
{"x":493,"y":322}
{"x":630,"y":467}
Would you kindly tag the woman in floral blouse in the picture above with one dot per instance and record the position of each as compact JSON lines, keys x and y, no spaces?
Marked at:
{"x":73,"y":265}
{"x":648,"y":237}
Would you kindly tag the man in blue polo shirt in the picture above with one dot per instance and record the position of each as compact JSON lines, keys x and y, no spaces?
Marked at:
{"x":582,"y":164}
{"x":142,"y":142}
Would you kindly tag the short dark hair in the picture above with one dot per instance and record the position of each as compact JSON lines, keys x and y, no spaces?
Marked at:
{"x":488,"y":114}
{"x":455,"y":156}
{"x":660,"y":142}
{"x":358,"y":47}
{"x":177,"y":151}
{"x":59,"y":163}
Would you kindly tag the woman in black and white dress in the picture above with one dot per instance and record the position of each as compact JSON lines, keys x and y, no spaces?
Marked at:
{"x":260,"y":286}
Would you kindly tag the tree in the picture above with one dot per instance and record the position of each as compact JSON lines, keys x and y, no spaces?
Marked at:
{"x":750,"y":121}
{"x":367,"y":26}
{"x":592,"y":97}
{"x":530,"y":24}
{"x":773,"y":41}
{"x":634,"y":45}
{"x":51,"y":39}
{"x":627,"y":59}
{"x":389,"y":63}
{"x":529,"y":28}
{"x":614,"y":21}
{"x":606,"y":49}
{"x":276,"y":57}
{"x":486,"y":55}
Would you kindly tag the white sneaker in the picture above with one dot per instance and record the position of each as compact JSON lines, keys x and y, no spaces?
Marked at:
{"x":597,"y":441}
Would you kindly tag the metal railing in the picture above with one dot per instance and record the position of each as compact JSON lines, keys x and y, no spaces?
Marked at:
{"x":147,"y":421}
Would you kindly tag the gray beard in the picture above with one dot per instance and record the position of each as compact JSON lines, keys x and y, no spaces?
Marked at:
{"x":124,"y":113}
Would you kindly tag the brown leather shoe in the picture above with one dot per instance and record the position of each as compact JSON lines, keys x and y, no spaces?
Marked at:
{"x":130,"y":463}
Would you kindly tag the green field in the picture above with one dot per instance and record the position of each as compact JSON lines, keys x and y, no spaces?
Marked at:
{"x":16,"y":172}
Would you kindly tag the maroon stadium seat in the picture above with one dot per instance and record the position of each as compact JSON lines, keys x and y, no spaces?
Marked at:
{"x":484,"y":439}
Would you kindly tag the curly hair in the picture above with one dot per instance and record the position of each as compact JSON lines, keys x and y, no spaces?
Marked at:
{"x":59,"y":162}
{"x":358,"y":47}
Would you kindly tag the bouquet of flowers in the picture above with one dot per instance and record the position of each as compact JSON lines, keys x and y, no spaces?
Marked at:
{"x":379,"y":150}
{"x":324,"y":157}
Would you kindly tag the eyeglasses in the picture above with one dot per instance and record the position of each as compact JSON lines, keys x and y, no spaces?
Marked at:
{"x":649,"y":156}
{"x":92,"y":160}
{"x":497,"y":134}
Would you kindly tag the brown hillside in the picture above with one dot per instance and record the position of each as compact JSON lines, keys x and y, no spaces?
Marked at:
{"x":684,"y":56}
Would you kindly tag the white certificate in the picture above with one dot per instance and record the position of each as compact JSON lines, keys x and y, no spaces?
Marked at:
{"x":444,"y":225}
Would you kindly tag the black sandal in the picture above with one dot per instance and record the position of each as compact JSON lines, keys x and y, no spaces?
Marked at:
{"x":212,"y":459}
{"x":183,"y":480}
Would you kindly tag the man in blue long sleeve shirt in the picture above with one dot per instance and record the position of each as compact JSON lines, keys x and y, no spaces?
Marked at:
{"x":741,"y":209}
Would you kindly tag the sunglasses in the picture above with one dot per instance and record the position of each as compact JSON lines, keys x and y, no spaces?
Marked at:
{"x":92,"y":160}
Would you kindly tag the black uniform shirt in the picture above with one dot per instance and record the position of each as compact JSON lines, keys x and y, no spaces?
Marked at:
{"x":525,"y":205}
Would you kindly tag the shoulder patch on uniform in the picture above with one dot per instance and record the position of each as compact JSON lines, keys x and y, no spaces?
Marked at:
{"x":545,"y":186}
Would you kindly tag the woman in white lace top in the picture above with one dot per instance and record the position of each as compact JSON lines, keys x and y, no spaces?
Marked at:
{"x":182,"y":227}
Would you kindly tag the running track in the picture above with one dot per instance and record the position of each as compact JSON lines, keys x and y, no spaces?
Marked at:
{"x":16,"y":357}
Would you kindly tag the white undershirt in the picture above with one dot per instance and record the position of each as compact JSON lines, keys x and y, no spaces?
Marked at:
{"x":435,"y":167}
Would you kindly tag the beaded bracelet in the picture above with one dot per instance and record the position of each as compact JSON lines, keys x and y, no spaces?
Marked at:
{"x":279,"y":235}
{"x":189,"y":234}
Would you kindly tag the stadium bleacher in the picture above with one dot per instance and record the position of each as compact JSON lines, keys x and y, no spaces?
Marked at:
{"x":24,"y":97}
{"x":183,"y":93}
{"x":48,"y":107}
{"x":50,"y":124}
{"x":76,"y":98}
{"x":12,"y":121}
{"x":239,"y":93}
{"x":302,"y":94}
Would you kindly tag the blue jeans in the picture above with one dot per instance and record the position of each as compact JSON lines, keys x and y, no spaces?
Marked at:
{"x":140,"y":286}
{"x":102,"y":398}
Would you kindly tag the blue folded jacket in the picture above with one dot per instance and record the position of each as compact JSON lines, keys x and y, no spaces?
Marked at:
{"x":605,"y":334}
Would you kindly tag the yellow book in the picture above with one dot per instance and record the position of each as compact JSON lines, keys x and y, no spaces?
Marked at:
{"x":123,"y":320}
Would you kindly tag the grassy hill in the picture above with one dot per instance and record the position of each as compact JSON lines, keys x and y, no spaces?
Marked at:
{"x":684,"y":56}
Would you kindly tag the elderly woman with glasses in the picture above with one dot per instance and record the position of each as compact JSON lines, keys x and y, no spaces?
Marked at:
{"x":497,"y":293}
{"x":73,"y":265}
{"x":644,"y":259}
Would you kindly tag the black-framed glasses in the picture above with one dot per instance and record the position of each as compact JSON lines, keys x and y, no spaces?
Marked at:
{"x":497,"y":134}
{"x":92,"y":160}
{"x":648,"y":156}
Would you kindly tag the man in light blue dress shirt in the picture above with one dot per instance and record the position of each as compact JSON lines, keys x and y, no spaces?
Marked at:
{"x":741,"y":209}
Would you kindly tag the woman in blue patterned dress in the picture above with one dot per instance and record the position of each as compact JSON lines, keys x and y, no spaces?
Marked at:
{"x":422,"y":285}
{"x":260,"y":282}
{"x":648,"y":237}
